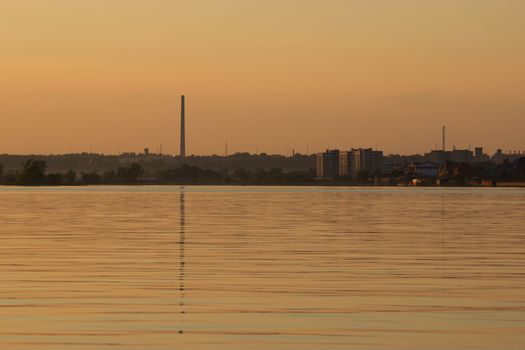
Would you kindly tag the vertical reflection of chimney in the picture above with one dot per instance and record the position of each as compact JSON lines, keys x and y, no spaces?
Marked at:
{"x":182,"y":238}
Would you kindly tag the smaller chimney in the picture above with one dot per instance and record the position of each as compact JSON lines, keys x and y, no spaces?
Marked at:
{"x":443,"y":138}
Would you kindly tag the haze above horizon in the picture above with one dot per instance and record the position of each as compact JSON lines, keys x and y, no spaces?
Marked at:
{"x":266,"y":76}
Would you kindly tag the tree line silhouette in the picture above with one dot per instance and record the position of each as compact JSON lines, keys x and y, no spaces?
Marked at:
{"x":33,"y":172}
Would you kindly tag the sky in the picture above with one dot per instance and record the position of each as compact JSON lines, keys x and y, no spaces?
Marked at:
{"x":266,"y":76}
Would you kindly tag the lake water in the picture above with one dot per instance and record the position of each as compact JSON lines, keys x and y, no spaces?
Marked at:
{"x":164,"y":267}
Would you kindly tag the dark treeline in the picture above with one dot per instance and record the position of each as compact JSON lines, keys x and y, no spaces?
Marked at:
{"x":89,"y":162}
{"x":33,"y":172}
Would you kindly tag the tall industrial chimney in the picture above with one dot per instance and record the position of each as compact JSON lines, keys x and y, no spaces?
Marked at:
{"x":182,"y":129}
{"x":443,"y":138}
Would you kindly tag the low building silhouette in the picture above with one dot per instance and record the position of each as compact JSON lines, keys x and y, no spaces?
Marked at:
{"x":499,"y":157}
{"x":457,"y":155}
{"x":426,"y":169}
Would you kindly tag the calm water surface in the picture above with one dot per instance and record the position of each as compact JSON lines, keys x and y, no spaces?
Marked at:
{"x":261,"y":268}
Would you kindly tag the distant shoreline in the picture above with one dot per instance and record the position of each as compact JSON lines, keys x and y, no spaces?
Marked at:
{"x":278,"y":184}
{"x":34,"y":173}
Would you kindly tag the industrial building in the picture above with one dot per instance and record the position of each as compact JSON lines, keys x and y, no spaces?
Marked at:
{"x":499,"y":157}
{"x":426,"y":169}
{"x":457,"y":155}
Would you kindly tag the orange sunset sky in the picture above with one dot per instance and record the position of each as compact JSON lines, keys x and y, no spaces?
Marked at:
{"x":267,"y":75}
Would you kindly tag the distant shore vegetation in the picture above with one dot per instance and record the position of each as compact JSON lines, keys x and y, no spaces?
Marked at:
{"x":34,"y":172}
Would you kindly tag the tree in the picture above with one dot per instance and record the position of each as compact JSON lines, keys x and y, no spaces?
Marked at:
{"x":71,"y":176}
{"x":276,"y":173}
{"x":54,"y":179}
{"x":188,"y":173}
{"x":109,"y":176}
{"x":33,"y":172}
{"x":90,"y":178}
{"x":10,"y":179}
{"x":243,"y":174}
{"x":130,"y":173}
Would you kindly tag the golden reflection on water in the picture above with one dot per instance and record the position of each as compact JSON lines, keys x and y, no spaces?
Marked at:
{"x":258,"y":268}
